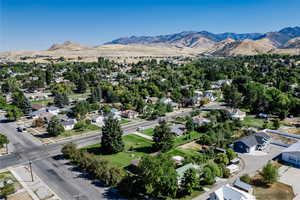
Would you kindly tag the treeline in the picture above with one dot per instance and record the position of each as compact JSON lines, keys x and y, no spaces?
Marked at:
{"x":98,"y":167}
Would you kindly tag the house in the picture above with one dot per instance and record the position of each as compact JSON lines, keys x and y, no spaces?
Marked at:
{"x":178,"y":129}
{"x":237,"y":114}
{"x":97,"y":120}
{"x":36,"y":107}
{"x":209,"y":94}
{"x":152,"y":100}
{"x":37,"y":114}
{"x":53,"y":110}
{"x":243,"y":186}
{"x":69,"y":124}
{"x":130,"y":114}
{"x":292,"y":154}
{"x":181,"y":170}
{"x":115,"y":114}
{"x":257,"y":141}
{"x":166,"y":100}
{"x":200,"y":121}
{"x":228,"y":192}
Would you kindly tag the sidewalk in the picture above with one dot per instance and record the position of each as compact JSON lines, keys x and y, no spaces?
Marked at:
{"x":143,"y":135}
{"x":37,"y":189}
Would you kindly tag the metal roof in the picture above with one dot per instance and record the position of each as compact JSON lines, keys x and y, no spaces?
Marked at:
{"x":293,"y":148}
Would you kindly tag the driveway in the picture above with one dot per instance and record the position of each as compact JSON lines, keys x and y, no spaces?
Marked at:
{"x":291,"y":176}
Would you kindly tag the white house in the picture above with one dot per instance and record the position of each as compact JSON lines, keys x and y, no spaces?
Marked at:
{"x":237,"y":114}
{"x":228,"y":192}
{"x":53,"y":110}
{"x":69,"y":124}
{"x":292,"y":154}
{"x":98,"y":120}
{"x":166,"y":100}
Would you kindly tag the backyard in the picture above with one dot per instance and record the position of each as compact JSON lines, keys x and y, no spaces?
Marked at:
{"x":253,"y":122}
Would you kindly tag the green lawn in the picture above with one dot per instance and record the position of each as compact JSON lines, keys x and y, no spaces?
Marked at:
{"x":91,"y":127}
{"x":194,"y":194}
{"x":187,"y":138}
{"x":253,"y":122}
{"x":124,"y":121}
{"x":149,"y":131}
{"x":43,"y":102}
{"x":135,"y":147}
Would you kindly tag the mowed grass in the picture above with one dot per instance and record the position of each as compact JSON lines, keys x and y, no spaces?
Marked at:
{"x":253,"y":122}
{"x":187,"y":138}
{"x":69,"y":133}
{"x":149,"y":131}
{"x":135,"y":148}
{"x":278,"y":191}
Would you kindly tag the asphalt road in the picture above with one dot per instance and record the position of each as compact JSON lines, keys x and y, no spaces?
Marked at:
{"x":64,"y":179}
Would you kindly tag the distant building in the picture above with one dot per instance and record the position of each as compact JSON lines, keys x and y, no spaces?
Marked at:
{"x":200,"y":121}
{"x":257,"y":141}
{"x":130,"y":114}
{"x":292,"y":154}
{"x":98,"y":120}
{"x":69,"y":124}
{"x":53,"y":110}
{"x":237,"y":114}
{"x":178,"y":129}
{"x":228,"y":192}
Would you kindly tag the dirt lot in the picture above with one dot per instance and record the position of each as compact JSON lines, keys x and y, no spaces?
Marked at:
{"x":278,"y":191}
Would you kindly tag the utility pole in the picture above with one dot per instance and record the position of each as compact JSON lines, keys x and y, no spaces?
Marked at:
{"x":30,"y":168}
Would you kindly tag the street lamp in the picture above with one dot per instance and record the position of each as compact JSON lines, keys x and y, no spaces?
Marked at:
{"x":30,"y":168}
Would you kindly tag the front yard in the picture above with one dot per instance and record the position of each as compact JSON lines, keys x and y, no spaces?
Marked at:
{"x":253,"y":122}
{"x":135,"y":148}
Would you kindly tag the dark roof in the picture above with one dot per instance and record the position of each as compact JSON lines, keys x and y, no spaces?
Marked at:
{"x":254,"y":139}
{"x":242,"y":185}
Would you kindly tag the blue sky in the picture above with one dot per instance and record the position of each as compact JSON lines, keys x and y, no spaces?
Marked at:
{"x":37,"y":24}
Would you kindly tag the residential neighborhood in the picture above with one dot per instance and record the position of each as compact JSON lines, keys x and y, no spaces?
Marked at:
{"x":160,"y":100}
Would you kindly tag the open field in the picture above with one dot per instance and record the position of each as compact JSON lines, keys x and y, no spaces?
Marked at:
{"x":278,"y":191}
{"x":135,"y":148}
{"x":253,"y":122}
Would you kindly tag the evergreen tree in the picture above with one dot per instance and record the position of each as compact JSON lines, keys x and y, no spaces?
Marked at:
{"x":14,"y":113}
{"x":111,"y":141}
{"x":190,"y":181}
{"x":61,"y":99}
{"x":55,"y":128}
{"x":163,"y":138}
{"x":81,"y":85}
{"x":270,"y":173}
{"x":26,"y":106}
{"x":96,"y":95}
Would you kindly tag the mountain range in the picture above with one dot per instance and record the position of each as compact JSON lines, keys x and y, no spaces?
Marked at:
{"x":224,"y":44}
{"x":187,"y":43}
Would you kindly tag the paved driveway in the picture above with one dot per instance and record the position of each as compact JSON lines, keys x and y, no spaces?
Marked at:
{"x":291,"y":176}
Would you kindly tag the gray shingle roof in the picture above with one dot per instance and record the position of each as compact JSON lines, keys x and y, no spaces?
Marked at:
{"x":240,"y":184}
{"x":254,"y":139}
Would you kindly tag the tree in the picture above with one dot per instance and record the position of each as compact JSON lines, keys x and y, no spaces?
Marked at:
{"x":163,"y":138}
{"x":190,"y":181}
{"x":208,"y":176}
{"x":14,"y":114}
{"x":276,"y":124}
{"x":69,"y":150}
{"x":222,"y":159}
{"x":159,"y":176}
{"x":231,"y":154}
{"x":111,"y":141}
{"x":7,"y":190}
{"x":96,"y":95}
{"x":81,"y":85}
{"x":55,"y":128}
{"x":39,"y":122}
{"x":61,"y":99}
{"x":189,"y":124}
{"x":3,"y":140}
{"x":270,"y":173}
{"x":81,"y":109}
{"x":245,"y":178}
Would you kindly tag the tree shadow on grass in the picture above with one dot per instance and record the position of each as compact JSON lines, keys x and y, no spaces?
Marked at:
{"x":147,"y":149}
